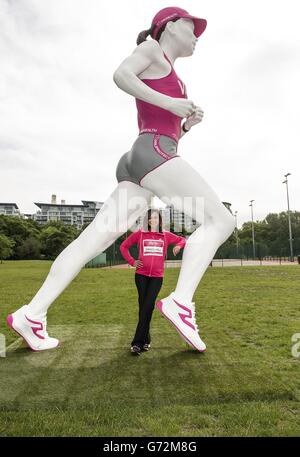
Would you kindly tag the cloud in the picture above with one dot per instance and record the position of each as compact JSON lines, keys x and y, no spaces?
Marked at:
{"x":64,"y":123}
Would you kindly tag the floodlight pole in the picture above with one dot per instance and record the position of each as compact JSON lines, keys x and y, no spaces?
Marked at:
{"x":253,"y":238}
{"x":236,"y":235}
{"x":289,"y":217}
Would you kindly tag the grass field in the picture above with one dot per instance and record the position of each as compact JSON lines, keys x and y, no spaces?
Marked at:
{"x":246,"y":384}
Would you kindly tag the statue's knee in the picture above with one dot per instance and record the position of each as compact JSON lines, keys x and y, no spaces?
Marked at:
{"x":226,"y":227}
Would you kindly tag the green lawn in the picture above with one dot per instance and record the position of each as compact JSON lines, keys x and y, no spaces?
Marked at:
{"x":246,"y":384}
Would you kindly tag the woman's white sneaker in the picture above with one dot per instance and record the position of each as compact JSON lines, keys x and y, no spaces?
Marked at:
{"x":33,"y":331}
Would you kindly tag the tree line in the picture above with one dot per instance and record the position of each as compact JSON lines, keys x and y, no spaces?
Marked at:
{"x":22,"y":239}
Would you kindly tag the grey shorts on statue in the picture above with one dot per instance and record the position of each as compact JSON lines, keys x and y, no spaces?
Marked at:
{"x":149,"y":151}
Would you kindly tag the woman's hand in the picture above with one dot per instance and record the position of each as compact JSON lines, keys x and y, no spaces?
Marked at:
{"x":182,"y":107}
{"x":138,"y":263}
{"x":176,"y":249}
{"x":194,"y":118}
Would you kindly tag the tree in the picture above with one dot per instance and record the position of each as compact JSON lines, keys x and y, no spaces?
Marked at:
{"x":279,"y":232}
{"x":55,"y":238}
{"x":6,"y":247}
{"x":18,"y":230}
{"x":29,"y":249}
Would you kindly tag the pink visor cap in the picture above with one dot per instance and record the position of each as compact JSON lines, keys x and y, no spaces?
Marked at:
{"x":167,"y":14}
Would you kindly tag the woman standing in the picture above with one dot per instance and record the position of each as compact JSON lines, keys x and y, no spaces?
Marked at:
{"x":151,"y":167}
{"x":153,"y":244}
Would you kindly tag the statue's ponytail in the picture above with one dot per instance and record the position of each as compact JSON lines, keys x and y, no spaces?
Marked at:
{"x":142,"y":36}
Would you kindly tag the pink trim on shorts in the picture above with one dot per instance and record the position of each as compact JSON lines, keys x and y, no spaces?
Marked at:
{"x":158,"y":149}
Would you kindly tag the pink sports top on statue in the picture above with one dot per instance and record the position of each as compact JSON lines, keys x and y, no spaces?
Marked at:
{"x":152,"y":118}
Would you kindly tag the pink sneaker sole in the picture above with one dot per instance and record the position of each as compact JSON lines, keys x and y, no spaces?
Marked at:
{"x":159,"y":307}
{"x":9,"y":321}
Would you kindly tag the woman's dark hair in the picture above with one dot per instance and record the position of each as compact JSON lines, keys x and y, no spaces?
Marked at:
{"x":142,"y":36}
{"x":148,"y":216}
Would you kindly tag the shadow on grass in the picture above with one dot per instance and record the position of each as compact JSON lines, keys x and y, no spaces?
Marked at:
{"x":156,"y":378}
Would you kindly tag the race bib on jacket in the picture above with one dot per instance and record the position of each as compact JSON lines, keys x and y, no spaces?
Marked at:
{"x":153,"y":247}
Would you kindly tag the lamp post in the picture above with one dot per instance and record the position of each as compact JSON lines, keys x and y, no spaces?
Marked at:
{"x":289,"y":217}
{"x":253,"y":238}
{"x":236,"y":235}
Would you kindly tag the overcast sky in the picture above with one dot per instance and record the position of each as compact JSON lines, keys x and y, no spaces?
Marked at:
{"x":64,"y":123}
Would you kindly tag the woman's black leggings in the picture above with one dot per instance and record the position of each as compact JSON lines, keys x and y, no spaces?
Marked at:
{"x":148,"y":288}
